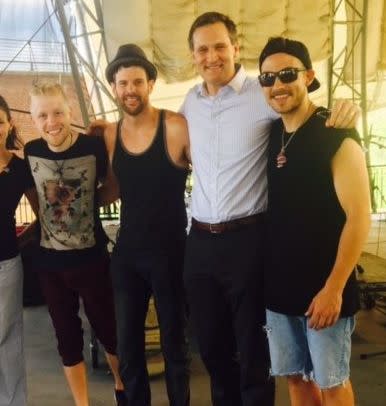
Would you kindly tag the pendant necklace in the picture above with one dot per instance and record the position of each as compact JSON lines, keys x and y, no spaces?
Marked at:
{"x":60,"y":166}
{"x":59,"y":171}
{"x":281,"y":158}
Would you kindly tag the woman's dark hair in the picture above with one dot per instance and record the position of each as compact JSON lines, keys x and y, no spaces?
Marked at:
{"x":12,"y":141}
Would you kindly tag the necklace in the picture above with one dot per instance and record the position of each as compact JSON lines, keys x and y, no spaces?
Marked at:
{"x":281,"y":158}
{"x":60,"y":167}
{"x":59,"y":170}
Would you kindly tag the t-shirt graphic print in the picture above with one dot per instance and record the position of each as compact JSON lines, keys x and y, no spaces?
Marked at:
{"x":66,"y":201}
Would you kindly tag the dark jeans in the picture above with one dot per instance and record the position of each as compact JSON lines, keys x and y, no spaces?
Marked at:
{"x":135,"y":278}
{"x":62,"y":290}
{"x":223,"y":280}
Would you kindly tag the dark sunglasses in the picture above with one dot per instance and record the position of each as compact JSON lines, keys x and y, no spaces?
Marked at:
{"x":286,"y":75}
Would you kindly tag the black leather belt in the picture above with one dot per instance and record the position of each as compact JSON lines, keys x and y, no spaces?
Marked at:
{"x":218,"y":228}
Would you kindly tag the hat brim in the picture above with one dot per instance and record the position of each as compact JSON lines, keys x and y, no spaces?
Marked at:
{"x":315,"y":84}
{"x":114,"y":65}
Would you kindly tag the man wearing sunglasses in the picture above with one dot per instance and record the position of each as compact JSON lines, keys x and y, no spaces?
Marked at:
{"x":318,"y":220}
{"x":229,"y":123}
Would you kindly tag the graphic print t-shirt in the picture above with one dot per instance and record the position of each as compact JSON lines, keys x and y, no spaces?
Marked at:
{"x":66,"y":182}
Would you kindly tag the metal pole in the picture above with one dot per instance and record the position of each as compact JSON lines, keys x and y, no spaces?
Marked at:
{"x":86,"y":40}
{"x":365,"y":130}
{"x":73,"y":61}
{"x":99,"y":12}
{"x":364,"y":69}
{"x":331,"y":58}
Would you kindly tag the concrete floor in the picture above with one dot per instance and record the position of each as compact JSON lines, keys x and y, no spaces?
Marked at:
{"x":47,"y":386}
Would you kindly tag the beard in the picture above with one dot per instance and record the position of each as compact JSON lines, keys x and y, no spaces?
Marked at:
{"x":287,"y":107}
{"x":133,"y":111}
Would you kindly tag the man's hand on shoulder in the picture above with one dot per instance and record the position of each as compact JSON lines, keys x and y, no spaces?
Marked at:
{"x":97,"y":127}
{"x":344,"y":114}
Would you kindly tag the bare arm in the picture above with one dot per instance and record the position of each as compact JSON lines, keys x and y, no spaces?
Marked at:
{"x":31,"y":230}
{"x":178,"y":139}
{"x":352,"y":188}
{"x":344,"y":114}
{"x":109,"y":191}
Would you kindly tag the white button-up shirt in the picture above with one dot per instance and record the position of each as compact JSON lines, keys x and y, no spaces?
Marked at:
{"x":228,"y":144}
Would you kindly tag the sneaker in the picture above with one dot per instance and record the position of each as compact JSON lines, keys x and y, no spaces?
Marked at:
{"x":120,"y":398}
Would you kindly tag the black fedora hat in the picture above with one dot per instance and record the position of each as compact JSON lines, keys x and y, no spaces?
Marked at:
{"x":297,"y":49}
{"x":130,"y":55}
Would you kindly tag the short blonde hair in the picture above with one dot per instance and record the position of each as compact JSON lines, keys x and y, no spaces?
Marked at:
{"x":48,"y":89}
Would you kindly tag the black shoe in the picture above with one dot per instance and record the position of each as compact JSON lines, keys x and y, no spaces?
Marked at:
{"x":120,"y":398}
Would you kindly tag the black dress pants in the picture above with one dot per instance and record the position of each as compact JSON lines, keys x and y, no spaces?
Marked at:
{"x":223,"y":280}
{"x":135,"y":278}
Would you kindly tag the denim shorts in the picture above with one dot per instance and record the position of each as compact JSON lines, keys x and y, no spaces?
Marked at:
{"x":320,"y":355}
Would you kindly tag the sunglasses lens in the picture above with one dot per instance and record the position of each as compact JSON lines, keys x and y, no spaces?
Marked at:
{"x":267,"y":79}
{"x":288,"y":75}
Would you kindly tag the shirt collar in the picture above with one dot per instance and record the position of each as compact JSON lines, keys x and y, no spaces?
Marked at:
{"x":236,"y":83}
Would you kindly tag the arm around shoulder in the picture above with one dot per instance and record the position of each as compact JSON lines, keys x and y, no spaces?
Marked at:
{"x":344,"y":114}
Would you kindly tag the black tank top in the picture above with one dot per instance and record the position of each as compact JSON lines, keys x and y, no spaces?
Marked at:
{"x":305,"y":218}
{"x":153,"y":213}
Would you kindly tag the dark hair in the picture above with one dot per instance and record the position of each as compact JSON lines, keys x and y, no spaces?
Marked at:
{"x":12,"y":141}
{"x":213,"y":17}
{"x":288,"y":46}
{"x":129,"y":65}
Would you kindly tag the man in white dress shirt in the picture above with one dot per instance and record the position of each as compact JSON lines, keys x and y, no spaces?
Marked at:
{"x":229,"y":123}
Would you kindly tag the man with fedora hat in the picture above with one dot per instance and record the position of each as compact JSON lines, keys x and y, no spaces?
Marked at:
{"x":318,"y":220}
{"x":149,"y":155}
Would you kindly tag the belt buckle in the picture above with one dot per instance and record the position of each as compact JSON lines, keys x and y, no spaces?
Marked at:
{"x":213,"y":229}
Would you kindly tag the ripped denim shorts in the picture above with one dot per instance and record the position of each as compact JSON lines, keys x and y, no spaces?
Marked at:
{"x":320,"y":355}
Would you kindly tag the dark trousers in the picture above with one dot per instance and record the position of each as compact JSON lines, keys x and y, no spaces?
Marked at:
{"x":62,"y":290}
{"x":135,"y":278}
{"x":223,"y":281}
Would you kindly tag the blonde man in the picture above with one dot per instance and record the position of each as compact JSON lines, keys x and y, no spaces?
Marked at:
{"x":66,"y":167}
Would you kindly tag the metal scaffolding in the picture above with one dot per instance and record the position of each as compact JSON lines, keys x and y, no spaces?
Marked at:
{"x":343,"y":72}
{"x":87,"y":53}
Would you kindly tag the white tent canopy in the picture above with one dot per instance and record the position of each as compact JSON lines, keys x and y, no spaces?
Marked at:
{"x":161,"y":28}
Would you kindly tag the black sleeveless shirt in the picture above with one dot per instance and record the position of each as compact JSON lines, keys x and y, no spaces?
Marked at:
{"x":152,"y":187}
{"x":305,"y":218}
